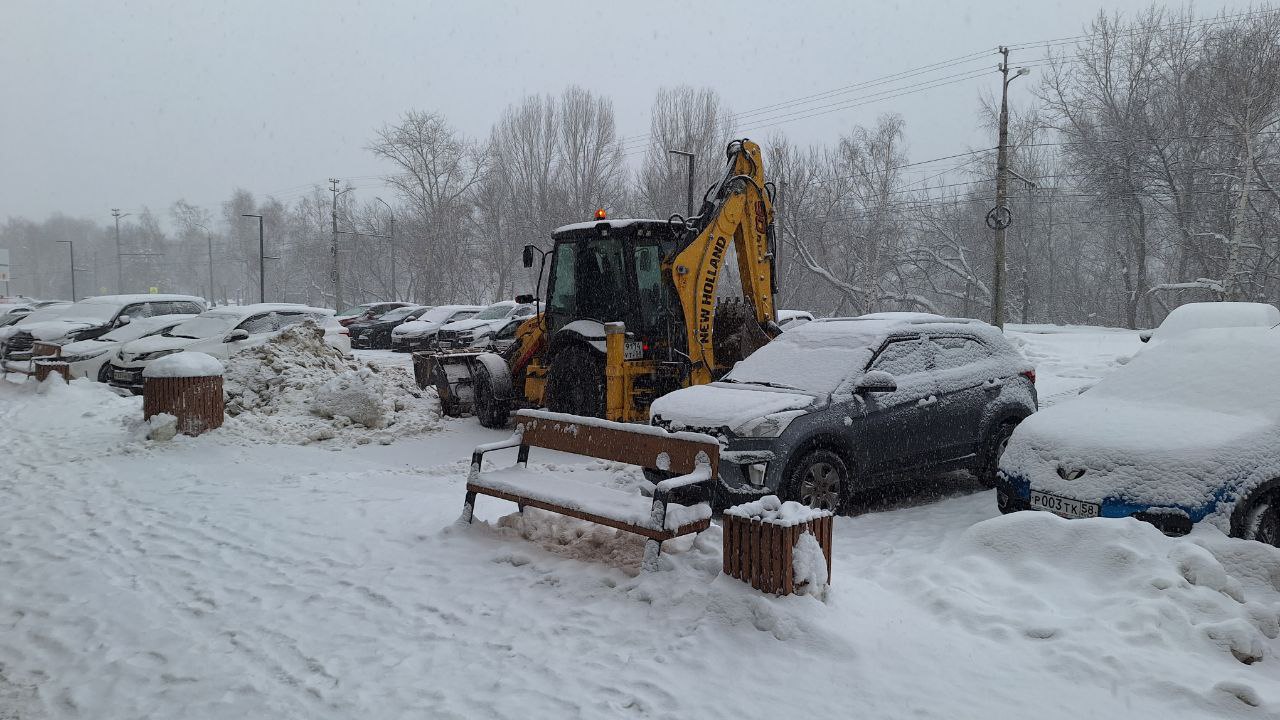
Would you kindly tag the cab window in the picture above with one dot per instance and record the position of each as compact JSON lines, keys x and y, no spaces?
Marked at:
{"x":649,"y":284}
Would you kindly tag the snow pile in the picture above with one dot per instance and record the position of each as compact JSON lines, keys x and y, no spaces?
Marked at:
{"x":1205,"y":593}
{"x":809,"y":567}
{"x":296,"y":389}
{"x":184,"y":365}
{"x":772,"y":510}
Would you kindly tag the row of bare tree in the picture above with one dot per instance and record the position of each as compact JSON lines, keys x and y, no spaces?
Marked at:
{"x":1149,"y":160}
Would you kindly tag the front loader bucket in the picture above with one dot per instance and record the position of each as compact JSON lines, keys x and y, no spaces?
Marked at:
{"x":451,"y":375}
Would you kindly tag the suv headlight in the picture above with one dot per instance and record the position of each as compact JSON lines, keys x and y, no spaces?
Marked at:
{"x":769,"y":426}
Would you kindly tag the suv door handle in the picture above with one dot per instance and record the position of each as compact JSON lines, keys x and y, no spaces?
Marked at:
{"x":993,"y":384}
{"x":925,"y":402}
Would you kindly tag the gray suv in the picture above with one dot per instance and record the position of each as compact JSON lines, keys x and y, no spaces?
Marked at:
{"x":846,"y":404}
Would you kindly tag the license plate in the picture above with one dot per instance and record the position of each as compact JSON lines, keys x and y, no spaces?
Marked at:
{"x":123,"y":375}
{"x":1066,"y":507}
{"x":633,"y":350}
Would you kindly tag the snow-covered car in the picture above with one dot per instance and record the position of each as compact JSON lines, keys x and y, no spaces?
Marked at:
{"x":45,"y":314}
{"x":1202,"y":315}
{"x":368,"y":311}
{"x":91,"y":358}
{"x":1186,"y":432}
{"x":791,"y":319}
{"x":479,"y":330}
{"x":220,"y":332}
{"x":420,"y":334}
{"x":846,"y":404}
{"x":375,"y":334}
{"x":94,"y":317}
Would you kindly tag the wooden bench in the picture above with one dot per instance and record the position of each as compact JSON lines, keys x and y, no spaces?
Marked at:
{"x":693,"y":456}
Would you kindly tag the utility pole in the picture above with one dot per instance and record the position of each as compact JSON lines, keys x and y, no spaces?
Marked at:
{"x":209,"y":237}
{"x":71,"y":244}
{"x":333,"y":248}
{"x":1000,"y":218}
{"x":391,"y":240}
{"x":115,"y":212}
{"x":692,"y":159}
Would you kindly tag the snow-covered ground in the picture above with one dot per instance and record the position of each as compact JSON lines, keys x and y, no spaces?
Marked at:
{"x":228,"y":576}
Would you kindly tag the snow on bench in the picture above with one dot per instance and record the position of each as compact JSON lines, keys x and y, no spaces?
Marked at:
{"x":693,"y":454}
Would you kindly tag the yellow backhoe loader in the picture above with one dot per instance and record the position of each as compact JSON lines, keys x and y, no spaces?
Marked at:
{"x":631,"y":311}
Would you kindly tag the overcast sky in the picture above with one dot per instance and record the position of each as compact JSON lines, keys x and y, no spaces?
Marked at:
{"x":130,"y":104}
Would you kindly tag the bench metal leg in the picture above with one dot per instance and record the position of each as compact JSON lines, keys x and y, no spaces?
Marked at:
{"x":468,"y":508}
{"x":652,"y":550}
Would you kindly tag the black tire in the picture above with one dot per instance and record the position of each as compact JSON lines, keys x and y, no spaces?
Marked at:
{"x":491,"y":410}
{"x":819,"y":479}
{"x":992,"y":448}
{"x":1263,"y":521}
{"x":104,"y":373}
{"x":576,"y":382}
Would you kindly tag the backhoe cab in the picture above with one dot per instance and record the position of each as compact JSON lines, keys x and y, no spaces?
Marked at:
{"x":632,"y":310}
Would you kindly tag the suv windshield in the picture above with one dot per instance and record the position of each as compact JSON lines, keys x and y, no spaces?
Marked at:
{"x":399,"y":313}
{"x":91,"y":312}
{"x":814,"y":358}
{"x":204,"y":326}
{"x":494,"y":312}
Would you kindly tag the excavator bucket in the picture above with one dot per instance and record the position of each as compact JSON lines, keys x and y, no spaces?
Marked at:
{"x":451,"y":375}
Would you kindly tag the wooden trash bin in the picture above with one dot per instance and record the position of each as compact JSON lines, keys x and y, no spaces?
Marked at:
{"x":760,"y":539}
{"x":187,"y":385}
{"x":45,"y":368}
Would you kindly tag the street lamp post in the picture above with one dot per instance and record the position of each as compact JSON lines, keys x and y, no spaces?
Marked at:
{"x":115,"y":212}
{"x":391,"y":240}
{"x":72,"y":246}
{"x":262,"y":257}
{"x":692,"y":159}
{"x":1001,"y":217}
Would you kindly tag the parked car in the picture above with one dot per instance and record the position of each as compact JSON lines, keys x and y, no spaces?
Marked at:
{"x":1186,"y":432}
{"x":840,"y":405}
{"x":479,"y":330}
{"x":791,"y":319}
{"x":18,"y":322}
{"x":94,"y":317}
{"x":420,"y":334}
{"x":220,"y":332}
{"x":376,"y":333}
{"x":368,"y":311}
{"x":91,"y":358}
{"x":1197,"y":316}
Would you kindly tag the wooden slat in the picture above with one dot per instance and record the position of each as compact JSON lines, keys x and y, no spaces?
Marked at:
{"x":618,"y":445}
{"x":650,"y":533}
{"x":197,"y":402}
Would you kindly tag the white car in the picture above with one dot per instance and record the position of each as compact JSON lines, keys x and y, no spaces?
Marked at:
{"x":420,"y":334}
{"x":480,"y":329}
{"x":220,"y":332}
{"x":1186,"y":432}
{"x":90,"y":358}
{"x":94,"y":317}
{"x":1201,"y":315}
{"x":22,"y":363}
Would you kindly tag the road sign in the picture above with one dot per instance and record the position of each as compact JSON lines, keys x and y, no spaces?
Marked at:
{"x":999,"y":218}
{"x":153,"y":290}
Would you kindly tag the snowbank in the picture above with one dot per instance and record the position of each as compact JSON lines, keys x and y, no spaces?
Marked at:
{"x":183,"y":365}
{"x":772,"y":510}
{"x":296,"y":389}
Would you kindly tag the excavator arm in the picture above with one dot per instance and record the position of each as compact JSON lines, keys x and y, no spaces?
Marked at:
{"x":737,"y":211}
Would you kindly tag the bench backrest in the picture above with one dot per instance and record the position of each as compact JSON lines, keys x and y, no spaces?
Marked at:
{"x":678,"y":453}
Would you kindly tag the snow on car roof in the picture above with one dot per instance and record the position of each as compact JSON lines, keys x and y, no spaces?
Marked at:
{"x":1194,"y":316}
{"x":247,"y":310}
{"x":139,"y":297}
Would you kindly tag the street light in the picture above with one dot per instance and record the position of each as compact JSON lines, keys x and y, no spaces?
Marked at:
{"x":72,"y":246}
{"x":999,"y":216}
{"x":209,"y":238}
{"x":115,"y":212}
{"x":391,"y":240}
{"x":262,"y":258}
{"x":692,"y":158}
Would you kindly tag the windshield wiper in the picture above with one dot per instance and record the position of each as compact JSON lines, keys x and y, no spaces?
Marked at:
{"x":779,"y":386}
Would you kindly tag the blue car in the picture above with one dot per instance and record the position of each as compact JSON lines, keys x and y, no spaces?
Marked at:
{"x":1187,"y":432}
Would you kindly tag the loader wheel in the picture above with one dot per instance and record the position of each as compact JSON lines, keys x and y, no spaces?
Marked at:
{"x":491,"y":410}
{"x":576,"y":382}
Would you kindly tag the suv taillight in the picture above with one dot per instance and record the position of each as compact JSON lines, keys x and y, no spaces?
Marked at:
{"x":1030,"y":375}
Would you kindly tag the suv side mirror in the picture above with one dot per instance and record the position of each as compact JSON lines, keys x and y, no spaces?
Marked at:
{"x":124,"y":320}
{"x":237,"y":334}
{"x":876,"y":381}
{"x":1145,"y":335}
{"x":525,"y":299}
{"x":528,"y":255}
